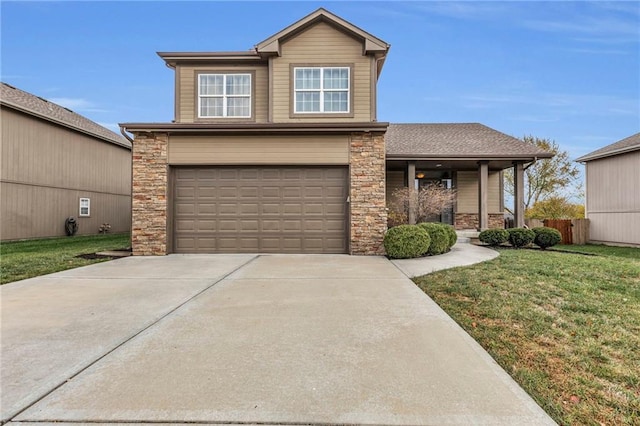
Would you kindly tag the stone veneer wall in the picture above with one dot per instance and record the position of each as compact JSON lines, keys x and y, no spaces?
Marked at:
{"x":470,"y":220}
{"x":367,"y":193}
{"x":149,"y":190}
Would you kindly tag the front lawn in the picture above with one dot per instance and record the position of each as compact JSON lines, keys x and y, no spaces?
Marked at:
{"x":31,"y":258}
{"x":565,"y":326}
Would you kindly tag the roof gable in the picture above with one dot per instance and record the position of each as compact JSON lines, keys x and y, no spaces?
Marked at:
{"x":632,"y":143}
{"x":371,"y":44}
{"x":42,"y":108}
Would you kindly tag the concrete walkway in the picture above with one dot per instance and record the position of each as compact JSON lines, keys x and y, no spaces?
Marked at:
{"x":461,"y":254}
{"x":244,"y":340}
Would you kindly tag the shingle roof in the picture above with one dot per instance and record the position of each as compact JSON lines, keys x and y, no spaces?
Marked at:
{"x":632,"y":143}
{"x":42,"y":108}
{"x":456,"y":140}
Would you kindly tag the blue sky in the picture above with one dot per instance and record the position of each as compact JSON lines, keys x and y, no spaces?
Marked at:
{"x":568,"y":71}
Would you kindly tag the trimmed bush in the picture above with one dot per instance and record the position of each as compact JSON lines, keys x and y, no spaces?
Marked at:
{"x":451,"y":231}
{"x":546,"y":237}
{"x":494,"y":237}
{"x":406,"y":241}
{"x":520,"y":237}
{"x":439,"y":238}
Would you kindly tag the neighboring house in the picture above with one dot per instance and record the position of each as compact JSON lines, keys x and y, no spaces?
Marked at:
{"x":57,"y":164}
{"x":279,"y":149}
{"x":613,"y":192}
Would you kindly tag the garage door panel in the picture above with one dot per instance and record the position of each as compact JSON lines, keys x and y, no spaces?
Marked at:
{"x":269,"y":209}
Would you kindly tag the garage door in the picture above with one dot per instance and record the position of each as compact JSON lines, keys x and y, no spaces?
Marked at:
{"x":260,"y":210}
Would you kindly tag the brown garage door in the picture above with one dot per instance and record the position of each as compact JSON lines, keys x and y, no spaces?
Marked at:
{"x":260,"y":210}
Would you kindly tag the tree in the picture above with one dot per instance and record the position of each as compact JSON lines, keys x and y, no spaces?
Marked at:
{"x":428,"y":201}
{"x":545,"y":178}
{"x":555,"y":208}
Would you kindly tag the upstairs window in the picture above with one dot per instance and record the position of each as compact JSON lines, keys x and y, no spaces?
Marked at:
{"x":321,"y":90}
{"x":224,"y":95}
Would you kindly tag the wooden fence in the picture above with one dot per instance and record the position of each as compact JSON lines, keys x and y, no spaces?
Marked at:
{"x":574,"y":231}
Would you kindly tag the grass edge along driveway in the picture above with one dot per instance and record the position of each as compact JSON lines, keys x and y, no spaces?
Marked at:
{"x":32,"y":258}
{"x":565,"y":326}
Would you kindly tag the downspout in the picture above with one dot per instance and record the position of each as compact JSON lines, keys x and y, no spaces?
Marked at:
{"x":124,"y":133}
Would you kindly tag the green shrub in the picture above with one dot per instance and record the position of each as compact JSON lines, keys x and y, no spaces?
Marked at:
{"x":451,"y":231}
{"x":546,"y":237}
{"x":520,"y":237}
{"x":494,"y":237}
{"x":406,"y":241}
{"x":439,"y":238}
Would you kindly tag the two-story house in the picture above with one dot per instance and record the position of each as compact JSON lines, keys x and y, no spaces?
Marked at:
{"x":279,"y":149}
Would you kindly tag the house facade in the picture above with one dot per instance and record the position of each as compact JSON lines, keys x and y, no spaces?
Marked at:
{"x":279,"y":149}
{"x":58,"y":164}
{"x":612,"y":180}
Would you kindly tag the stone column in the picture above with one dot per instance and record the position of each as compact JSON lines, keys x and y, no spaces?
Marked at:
{"x":518,"y":199}
{"x":149,"y":195}
{"x":483,"y":195}
{"x":367,"y":193}
{"x":411,"y":184}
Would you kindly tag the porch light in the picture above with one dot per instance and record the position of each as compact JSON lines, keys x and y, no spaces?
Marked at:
{"x":419,"y":175}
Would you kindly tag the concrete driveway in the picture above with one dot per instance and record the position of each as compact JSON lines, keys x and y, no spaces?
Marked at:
{"x":244,"y":339}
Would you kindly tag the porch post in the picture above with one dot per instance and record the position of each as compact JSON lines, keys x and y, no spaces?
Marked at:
{"x":411,"y":184}
{"x":518,"y":200}
{"x":483,"y":195}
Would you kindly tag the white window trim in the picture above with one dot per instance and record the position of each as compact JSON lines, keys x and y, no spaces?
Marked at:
{"x":322,"y":90}
{"x":224,"y":96}
{"x":88,"y":206}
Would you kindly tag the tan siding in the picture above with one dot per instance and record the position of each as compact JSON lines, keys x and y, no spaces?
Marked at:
{"x":46,"y":168}
{"x":258,"y":150}
{"x":395,"y":180}
{"x":35,"y":212}
{"x":467,"y":190}
{"x":187,"y":98}
{"x":613,"y":203}
{"x":324,"y":45}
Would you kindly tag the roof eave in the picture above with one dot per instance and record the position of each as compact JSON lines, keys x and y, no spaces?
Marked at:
{"x":469,"y":157}
{"x":253,"y":127}
{"x":63,"y":124}
{"x":590,"y":157}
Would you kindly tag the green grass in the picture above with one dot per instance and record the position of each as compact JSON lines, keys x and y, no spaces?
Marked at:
{"x":31,"y":258}
{"x":565,"y":326}
{"x":628,"y":252}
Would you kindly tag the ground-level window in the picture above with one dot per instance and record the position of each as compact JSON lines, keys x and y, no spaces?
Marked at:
{"x":321,"y":90}
{"x":224,"y":95}
{"x":85,"y":207}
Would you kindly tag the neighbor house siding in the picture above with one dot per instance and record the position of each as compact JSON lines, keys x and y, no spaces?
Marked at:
{"x":46,"y":168}
{"x":321,"y":45}
{"x":613,"y":204}
{"x":258,"y":150}
{"x":467,"y":192}
{"x":187,"y":90}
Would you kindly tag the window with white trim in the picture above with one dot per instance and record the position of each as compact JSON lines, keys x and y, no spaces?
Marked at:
{"x":224,"y":95}
{"x":85,"y":207}
{"x":321,"y":90}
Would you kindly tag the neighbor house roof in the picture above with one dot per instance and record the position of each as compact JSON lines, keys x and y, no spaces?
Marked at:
{"x":42,"y":108}
{"x":632,"y":143}
{"x":456,"y":141}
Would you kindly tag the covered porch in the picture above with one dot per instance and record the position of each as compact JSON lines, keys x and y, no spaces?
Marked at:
{"x":468,"y":158}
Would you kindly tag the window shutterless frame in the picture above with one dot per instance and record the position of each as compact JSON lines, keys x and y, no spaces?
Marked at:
{"x":85,"y":207}
{"x":224,"y":95}
{"x":321,"y":89}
